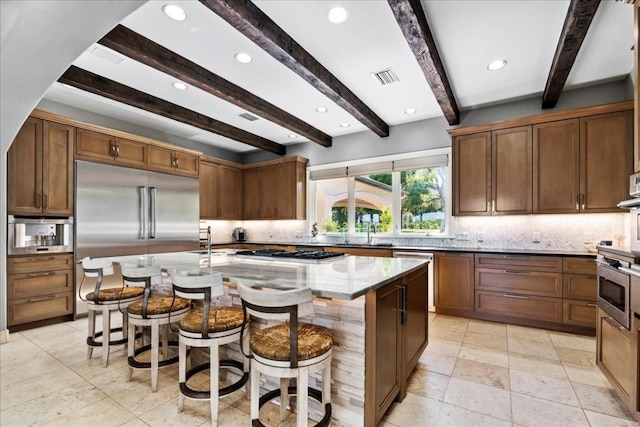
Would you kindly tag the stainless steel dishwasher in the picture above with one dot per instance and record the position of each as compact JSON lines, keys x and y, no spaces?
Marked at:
{"x":428,"y":256}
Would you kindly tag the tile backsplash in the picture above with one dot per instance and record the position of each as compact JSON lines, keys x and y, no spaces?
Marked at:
{"x":537,"y":232}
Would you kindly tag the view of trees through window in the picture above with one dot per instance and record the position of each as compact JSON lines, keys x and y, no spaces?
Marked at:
{"x":422,"y":200}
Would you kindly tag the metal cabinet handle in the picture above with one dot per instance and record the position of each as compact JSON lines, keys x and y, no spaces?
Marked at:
{"x":51,"y":258}
{"x":515,"y":257}
{"x":578,"y":202}
{"x":38,"y":200}
{"x":117,"y":151}
{"x":36,"y":299}
{"x":50,"y":273}
{"x":493,"y":205}
{"x":45,"y":204}
{"x":592,"y":304}
{"x":403,"y":303}
{"x":152,"y":212}
{"x":515,"y":296}
{"x":177,"y":162}
{"x":516,"y":272}
{"x":142,"y":212}
{"x":612,"y":323}
{"x":583,"y":198}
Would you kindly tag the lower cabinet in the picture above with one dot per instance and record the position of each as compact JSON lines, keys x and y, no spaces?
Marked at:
{"x":396,"y":319}
{"x":454,"y":289}
{"x":617,"y":357}
{"x":39,"y":287}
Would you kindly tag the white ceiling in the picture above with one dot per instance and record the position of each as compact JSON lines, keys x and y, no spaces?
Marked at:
{"x":469,"y":34}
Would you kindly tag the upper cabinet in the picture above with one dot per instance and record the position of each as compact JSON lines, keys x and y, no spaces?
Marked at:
{"x":103,"y":148}
{"x":176,"y":162}
{"x":579,"y":164}
{"x":276,"y":189}
{"x":220,"y":191}
{"x":492,"y":172}
{"x":40,"y":169}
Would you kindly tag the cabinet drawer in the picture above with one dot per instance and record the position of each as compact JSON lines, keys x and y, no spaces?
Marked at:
{"x":579,"y":313}
{"x":615,"y":354}
{"x":519,"y":262}
{"x":31,"y":264}
{"x":520,"y":282}
{"x":33,"y":284}
{"x":38,"y":308}
{"x":521,"y":306}
{"x":579,"y":265}
{"x":579,"y":286}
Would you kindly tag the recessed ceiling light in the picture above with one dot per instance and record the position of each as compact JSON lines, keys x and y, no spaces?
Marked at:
{"x":345,"y":125}
{"x":338,"y":15}
{"x":179,"y":85}
{"x":321,"y":110}
{"x":242,"y":57}
{"x":174,"y":12}
{"x":410,"y":111}
{"x":293,"y":135}
{"x":497,"y":64}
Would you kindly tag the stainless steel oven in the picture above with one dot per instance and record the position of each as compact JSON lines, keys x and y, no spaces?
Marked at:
{"x":614,"y":286}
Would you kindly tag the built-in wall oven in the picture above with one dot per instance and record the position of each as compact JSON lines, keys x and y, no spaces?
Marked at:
{"x":614,"y":285}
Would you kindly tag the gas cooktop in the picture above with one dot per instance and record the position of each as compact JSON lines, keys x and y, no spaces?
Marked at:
{"x":300,"y":255}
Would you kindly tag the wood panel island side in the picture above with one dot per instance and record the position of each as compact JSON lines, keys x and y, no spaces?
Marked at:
{"x":375,"y":307}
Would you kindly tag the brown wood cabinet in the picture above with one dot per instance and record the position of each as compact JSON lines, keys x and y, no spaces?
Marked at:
{"x":396,"y":336}
{"x":579,"y":282}
{"x":39,"y":288}
{"x":220,"y":191}
{"x":565,"y":162}
{"x":172,"y":161}
{"x":492,"y":172}
{"x":40,"y":169}
{"x":384,"y":253}
{"x":454,"y":288}
{"x":617,"y":357}
{"x":102,"y":148}
{"x":275,"y":189}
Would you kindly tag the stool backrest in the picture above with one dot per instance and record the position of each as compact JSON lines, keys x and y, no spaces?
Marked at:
{"x":272,"y":304}
{"x":132,"y":274}
{"x":196,"y":285}
{"x":91,"y":266}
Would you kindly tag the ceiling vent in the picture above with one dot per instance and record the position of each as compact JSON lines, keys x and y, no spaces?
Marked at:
{"x":107,"y":55}
{"x":248,"y":116}
{"x":385,"y":77}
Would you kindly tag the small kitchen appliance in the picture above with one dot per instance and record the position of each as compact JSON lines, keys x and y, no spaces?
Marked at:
{"x":634,"y":207}
{"x":27,"y":235}
{"x":239,"y":234}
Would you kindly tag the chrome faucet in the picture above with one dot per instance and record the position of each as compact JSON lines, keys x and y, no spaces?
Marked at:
{"x":345,"y":232}
{"x":209,"y":246}
{"x":371,"y":228}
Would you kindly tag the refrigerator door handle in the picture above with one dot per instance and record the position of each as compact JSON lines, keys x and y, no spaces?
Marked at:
{"x":152,"y":212}
{"x":142,"y":212}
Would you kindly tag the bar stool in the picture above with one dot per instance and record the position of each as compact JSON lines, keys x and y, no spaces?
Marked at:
{"x":153,"y":311}
{"x":287,"y":350}
{"x":208,"y":327}
{"x":105,"y":301}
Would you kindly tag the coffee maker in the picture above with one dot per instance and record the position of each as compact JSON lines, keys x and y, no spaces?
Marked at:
{"x":239,"y":234}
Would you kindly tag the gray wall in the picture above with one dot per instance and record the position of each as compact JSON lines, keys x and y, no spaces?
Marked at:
{"x":432,"y":133}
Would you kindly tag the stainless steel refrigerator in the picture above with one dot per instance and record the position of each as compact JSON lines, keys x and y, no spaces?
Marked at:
{"x":123,"y":211}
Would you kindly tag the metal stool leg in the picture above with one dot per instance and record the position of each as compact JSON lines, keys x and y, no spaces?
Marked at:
{"x":91,"y":316}
{"x":106,"y":334}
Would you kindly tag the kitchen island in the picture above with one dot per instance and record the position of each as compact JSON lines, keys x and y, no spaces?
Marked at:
{"x":375,"y":307}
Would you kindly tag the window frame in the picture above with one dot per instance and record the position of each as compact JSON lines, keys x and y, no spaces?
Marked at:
{"x":396,"y":203}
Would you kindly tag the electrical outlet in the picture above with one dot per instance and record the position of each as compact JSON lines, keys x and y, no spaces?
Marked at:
{"x":480,"y":237}
{"x":535,"y":237}
{"x":463,"y":236}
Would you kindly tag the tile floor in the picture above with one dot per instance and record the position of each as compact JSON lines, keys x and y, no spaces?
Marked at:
{"x":473,"y":373}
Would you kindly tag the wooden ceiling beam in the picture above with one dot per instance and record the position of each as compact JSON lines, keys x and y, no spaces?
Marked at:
{"x":141,"y":49}
{"x":576,"y":24}
{"x":413,"y":23}
{"x":107,"y":88}
{"x":249,"y":20}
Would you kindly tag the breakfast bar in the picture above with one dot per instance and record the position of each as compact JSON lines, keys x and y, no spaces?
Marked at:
{"x":375,"y":307}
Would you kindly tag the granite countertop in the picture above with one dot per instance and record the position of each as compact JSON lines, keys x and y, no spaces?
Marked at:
{"x":346,"y":277}
{"x":556,"y":252}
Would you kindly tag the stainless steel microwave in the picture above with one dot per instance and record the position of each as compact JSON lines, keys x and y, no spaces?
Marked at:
{"x":27,"y":235}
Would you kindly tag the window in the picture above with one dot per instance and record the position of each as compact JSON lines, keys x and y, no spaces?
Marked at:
{"x":400,"y":197}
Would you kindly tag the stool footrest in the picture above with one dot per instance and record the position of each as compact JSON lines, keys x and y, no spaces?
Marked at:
{"x":134,"y":363}
{"x":199,"y":394}
{"x":95,"y":343}
{"x":293,"y":390}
